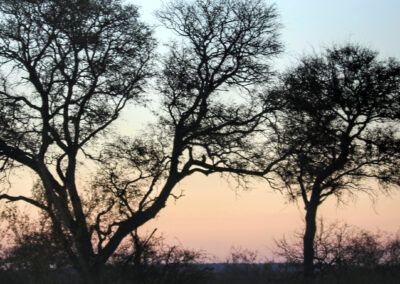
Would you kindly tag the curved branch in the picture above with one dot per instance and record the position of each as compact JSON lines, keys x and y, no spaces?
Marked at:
{"x":26,"y":199}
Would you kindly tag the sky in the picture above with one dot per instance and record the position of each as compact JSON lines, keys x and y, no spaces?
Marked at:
{"x":309,"y":25}
{"x":212,"y":216}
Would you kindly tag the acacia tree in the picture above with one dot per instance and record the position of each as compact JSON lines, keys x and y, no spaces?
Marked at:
{"x":340,"y":120}
{"x":65,"y":79}
{"x":77,"y":64}
{"x":200,"y":127}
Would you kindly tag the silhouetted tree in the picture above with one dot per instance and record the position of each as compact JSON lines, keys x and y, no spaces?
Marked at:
{"x":340,"y":119}
{"x":200,"y":127}
{"x":74,"y":65}
{"x":68,"y":69}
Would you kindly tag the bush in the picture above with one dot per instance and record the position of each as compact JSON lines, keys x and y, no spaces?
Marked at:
{"x":343,"y":246}
{"x":32,"y":255}
{"x":148,"y":260}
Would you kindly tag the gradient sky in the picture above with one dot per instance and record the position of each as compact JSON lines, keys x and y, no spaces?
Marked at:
{"x":311,"y":24}
{"x":212,"y":216}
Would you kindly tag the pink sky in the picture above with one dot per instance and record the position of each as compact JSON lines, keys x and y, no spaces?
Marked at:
{"x":213,"y":217}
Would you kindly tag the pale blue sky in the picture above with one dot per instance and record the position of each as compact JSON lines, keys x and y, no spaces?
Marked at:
{"x":312,"y":24}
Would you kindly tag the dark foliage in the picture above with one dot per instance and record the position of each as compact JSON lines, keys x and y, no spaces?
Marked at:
{"x":339,"y":247}
{"x":340,"y":126}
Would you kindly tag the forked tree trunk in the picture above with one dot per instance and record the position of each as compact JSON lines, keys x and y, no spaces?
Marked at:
{"x":308,"y":241}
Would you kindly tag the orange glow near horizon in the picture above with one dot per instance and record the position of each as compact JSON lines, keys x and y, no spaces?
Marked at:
{"x":213,"y":217}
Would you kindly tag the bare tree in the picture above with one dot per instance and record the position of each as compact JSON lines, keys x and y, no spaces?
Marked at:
{"x":340,"y":119}
{"x":69,"y":68}
{"x":73,"y":66}
{"x":200,"y":127}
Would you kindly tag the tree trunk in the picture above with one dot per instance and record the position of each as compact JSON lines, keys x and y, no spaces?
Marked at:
{"x":89,"y":274}
{"x":308,"y":241}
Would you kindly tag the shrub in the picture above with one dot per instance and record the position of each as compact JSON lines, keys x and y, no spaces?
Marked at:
{"x":340,"y":245}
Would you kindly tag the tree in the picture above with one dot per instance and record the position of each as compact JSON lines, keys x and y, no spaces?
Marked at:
{"x":340,"y":119}
{"x":78,"y":63}
{"x":65,"y":80}
{"x":200,"y":127}
{"x":340,"y":246}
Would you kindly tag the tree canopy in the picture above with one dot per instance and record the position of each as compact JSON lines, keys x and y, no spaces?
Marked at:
{"x":65,"y":79}
{"x":68,"y":70}
{"x":340,"y":124}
